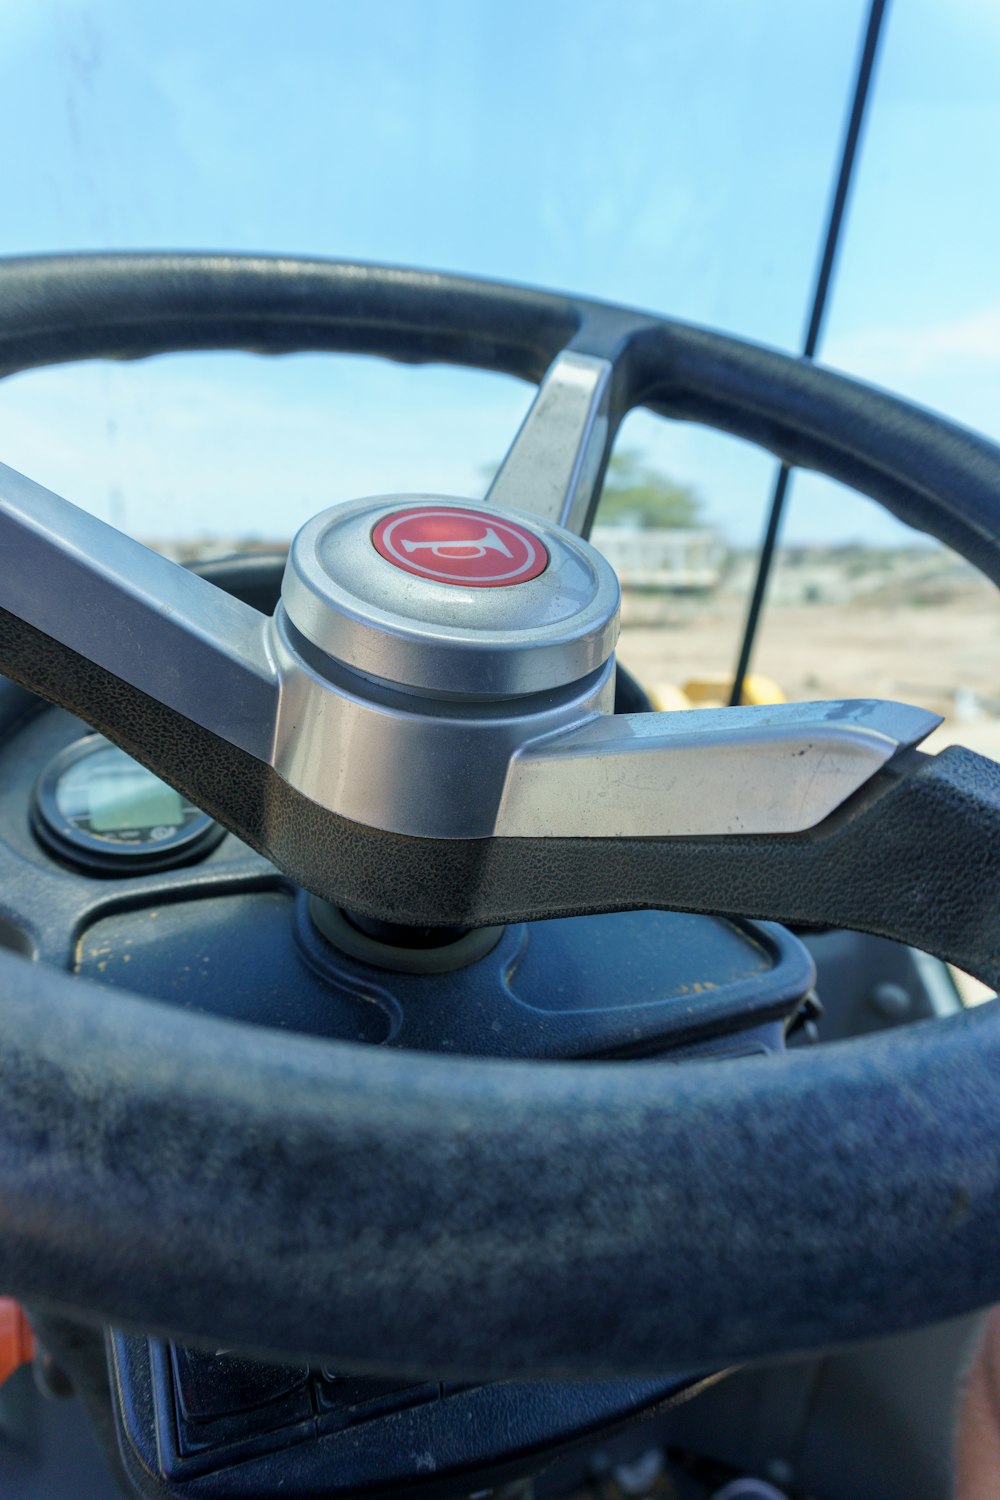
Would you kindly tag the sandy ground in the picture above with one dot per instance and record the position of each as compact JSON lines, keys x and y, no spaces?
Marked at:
{"x":943,"y":655}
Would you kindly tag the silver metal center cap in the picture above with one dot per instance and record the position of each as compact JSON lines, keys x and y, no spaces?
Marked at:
{"x":445,"y":597}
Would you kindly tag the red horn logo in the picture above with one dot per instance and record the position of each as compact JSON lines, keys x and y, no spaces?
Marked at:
{"x":468,"y":547}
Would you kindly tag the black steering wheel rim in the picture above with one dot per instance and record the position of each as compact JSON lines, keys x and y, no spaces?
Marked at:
{"x":934,"y":475}
{"x":421,"y":1214}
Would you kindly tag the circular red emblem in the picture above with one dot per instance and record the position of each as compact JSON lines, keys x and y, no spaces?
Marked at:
{"x":474,"y":548}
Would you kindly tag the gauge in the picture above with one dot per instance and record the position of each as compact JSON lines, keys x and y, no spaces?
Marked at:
{"x":98,"y":807}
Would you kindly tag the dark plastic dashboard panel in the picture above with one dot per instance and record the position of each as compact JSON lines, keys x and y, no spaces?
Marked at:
{"x":586,"y":987}
{"x":322,"y":1434}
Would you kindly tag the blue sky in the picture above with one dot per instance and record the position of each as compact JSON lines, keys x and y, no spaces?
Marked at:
{"x":674,"y":154}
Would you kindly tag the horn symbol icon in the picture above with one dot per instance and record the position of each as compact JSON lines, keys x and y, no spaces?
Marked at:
{"x":468,"y":548}
{"x":459,"y":547}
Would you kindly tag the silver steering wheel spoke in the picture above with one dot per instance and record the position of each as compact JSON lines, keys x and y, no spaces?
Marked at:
{"x":546,"y":760}
{"x":556,"y":463}
{"x":705,"y":773}
{"x":136,"y":615}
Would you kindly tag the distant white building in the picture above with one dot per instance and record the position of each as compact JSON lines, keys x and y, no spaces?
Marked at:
{"x":671,"y":559}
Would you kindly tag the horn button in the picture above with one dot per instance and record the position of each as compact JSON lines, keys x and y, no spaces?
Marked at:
{"x":467,"y":548}
{"x":437,"y":596}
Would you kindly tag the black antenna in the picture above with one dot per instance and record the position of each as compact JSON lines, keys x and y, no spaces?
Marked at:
{"x":821,"y":291}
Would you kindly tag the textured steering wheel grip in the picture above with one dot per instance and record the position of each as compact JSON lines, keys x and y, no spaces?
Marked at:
{"x":417,"y":1214}
{"x":933,"y":474}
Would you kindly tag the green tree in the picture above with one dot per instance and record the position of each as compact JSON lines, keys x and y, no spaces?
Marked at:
{"x":636,"y":492}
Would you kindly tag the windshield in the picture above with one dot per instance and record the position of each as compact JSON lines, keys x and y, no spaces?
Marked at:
{"x":677,"y":157}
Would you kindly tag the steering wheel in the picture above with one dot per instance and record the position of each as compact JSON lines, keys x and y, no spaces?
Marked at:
{"x":426,"y":753}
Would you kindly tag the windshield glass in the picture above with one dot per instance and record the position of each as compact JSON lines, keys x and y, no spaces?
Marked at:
{"x":675,"y":157}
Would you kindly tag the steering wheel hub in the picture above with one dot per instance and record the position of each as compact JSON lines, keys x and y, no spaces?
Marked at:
{"x":439,"y":596}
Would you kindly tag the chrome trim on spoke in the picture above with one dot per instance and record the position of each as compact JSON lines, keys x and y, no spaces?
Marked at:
{"x":774,"y":769}
{"x":555,"y":463}
{"x":422,"y":766}
{"x":157,"y":626}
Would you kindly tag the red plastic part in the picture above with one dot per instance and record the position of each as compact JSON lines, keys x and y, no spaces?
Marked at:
{"x":17,"y":1342}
